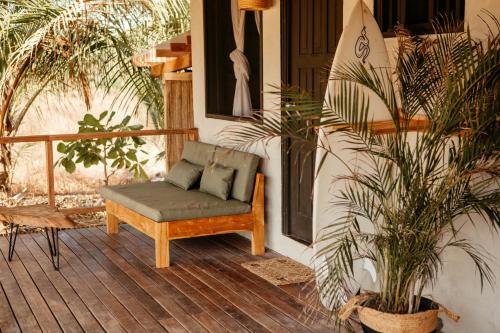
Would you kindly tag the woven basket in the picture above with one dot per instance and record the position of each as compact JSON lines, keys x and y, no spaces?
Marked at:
{"x":420,"y":322}
{"x":255,"y":4}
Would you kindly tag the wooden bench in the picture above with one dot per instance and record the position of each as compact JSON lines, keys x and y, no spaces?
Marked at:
{"x":164,"y":231}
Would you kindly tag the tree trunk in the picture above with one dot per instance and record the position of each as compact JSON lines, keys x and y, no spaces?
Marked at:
{"x":6,"y":171}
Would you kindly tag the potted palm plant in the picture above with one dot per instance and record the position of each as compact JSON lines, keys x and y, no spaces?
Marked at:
{"x":407,"y":202}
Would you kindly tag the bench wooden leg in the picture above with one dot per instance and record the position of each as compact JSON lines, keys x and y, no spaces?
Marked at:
{"x":258,"y":248}
{"x":162,"y":251}
{"x":112,"y":223}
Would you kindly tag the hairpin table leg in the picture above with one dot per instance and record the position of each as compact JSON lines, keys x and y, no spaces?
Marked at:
{"x":53,"y":240}
{"x":12,"y":239}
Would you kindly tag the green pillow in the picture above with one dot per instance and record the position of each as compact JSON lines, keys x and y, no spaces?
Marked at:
{"x":184,"y":174}
{"x":217,"y":180}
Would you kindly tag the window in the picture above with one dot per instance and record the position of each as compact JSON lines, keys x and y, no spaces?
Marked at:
{"x":415,"y":15}
{"x":220,"y":80}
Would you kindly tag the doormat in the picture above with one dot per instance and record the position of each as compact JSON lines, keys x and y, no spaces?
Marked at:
{"x":280,"y":271}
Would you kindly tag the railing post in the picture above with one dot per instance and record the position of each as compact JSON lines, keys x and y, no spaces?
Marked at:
{"x":49,"y":165}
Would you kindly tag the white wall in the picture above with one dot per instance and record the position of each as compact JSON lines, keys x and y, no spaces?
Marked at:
{"x":210,"y":127}
{"x":458,"y":287}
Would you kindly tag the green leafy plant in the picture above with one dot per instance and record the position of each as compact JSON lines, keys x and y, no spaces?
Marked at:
{"x":409,"y":196}
{"x":112,"y":153}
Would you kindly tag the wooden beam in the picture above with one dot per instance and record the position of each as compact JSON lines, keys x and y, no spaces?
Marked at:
{"x":176,"y":50}
{"x":157,"y":70}
{"x":138,"y":221}
{"x":210,"y":226}
{"x":49,"y":165}
{"x":99,"y":135}
{"x":178,"y":63}
{"x":178,"y":76}
{"x":82,"y":210}
{"x":387,"y":126}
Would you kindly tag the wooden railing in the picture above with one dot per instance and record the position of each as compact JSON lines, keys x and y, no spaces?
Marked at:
{"x":192,"y":133}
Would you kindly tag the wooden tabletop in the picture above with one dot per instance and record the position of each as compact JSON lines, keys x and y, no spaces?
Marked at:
{"x":36,"y":216}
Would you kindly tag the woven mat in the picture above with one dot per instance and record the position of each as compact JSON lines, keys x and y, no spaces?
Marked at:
{"x":280,"y":271}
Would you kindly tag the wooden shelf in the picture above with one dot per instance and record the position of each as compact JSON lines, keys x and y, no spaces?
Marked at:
{"x":387,"y":126}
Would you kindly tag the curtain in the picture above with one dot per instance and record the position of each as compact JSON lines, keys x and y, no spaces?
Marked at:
{"x":242,"y":104}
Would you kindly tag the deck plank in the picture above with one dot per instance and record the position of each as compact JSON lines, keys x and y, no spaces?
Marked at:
{"x":18,"y":304}
{"x":8,"y":323}
{"x":234,"y":282}
{"x":40,"y":309}
{"x":77,"y":261}
{"x":79,"y":281}
{"x":141,"y":256}
{"x":131,"y":314}
{"x":271,"y":298}
{"x":109,"y":283}
{"x":161,"y":297}
{"x":57,"y":305}
{"x":283,"y":299}
{"x":198,"y":268}
{"x":225,"y":305}
{"x":82,"y":314}
{"x":165,"y":284}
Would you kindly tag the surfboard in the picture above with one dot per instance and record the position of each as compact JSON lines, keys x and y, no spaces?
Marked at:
{"x":362,"y":42}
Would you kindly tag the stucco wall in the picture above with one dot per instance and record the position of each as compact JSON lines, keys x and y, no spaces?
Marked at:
{"x":458,"y":287}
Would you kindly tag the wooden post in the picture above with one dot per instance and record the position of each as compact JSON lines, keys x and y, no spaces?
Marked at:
{"x":178,"y":100}
{"x":162,"y":251}
{"x":49,"y":165}
{"x":258,"y":209}
{"x":112,"y":222}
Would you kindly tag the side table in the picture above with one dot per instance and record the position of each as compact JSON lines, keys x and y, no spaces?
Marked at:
{"x":41,"y":216}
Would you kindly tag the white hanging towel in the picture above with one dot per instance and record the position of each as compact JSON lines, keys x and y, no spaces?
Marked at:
{"x":242,"y":104}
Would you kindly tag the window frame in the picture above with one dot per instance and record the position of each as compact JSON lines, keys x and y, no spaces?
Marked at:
{"x":223,"y":116}
{"x":400,"y":16}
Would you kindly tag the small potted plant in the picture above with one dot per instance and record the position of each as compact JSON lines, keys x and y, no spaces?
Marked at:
{"x":407,"y":202}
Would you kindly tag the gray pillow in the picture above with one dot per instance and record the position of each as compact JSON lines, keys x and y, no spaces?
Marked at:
{"x":184,"y":174}
{"x":217,"y":180}
{"x":244,"y":165}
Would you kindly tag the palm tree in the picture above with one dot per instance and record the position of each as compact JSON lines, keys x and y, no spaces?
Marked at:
{"x":410,"y":194}
{"x":62,"y":45}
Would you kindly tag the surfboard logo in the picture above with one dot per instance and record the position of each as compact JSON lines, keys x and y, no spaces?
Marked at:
{"x":362,"y":48}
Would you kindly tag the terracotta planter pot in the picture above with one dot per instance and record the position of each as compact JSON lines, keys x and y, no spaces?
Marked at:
{"x":374,"y":321}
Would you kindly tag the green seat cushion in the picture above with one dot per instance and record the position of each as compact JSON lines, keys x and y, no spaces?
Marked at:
{"x":245,"y":167}
{"x":184,"y":174}
{"x":217,"y":180}
{"x":198,"y":152}
{"x":161,"y":201}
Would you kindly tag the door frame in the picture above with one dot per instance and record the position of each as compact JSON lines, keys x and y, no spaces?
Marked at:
{"x":285,"y":143}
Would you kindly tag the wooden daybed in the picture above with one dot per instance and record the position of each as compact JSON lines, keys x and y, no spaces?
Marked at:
{"x":165,"y":212}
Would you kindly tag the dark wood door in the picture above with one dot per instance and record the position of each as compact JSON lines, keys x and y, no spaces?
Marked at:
{"x":310,"y":33}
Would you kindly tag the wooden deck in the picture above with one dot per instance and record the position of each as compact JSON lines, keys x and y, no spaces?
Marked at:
{"x":109,"y":283}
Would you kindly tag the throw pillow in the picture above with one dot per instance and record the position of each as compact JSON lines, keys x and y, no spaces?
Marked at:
{"x":217,"y":180}
{"x":184,"y":174}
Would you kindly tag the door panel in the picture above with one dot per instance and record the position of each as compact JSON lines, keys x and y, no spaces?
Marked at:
{"x":310,"y":33}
